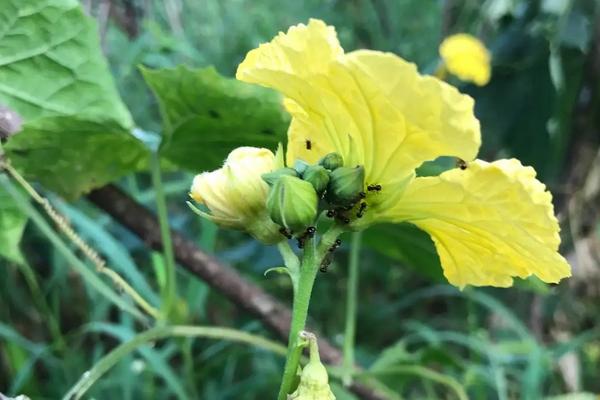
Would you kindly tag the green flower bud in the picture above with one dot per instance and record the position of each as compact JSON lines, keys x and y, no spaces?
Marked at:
{"x":292,"y":203}
{"x":300,"y":166}
{"x":332,"y":161}
{"x":345,"y":185}
{"x":271,"y":177}
{"x":317,"y":176}
{"x":314,"y":381}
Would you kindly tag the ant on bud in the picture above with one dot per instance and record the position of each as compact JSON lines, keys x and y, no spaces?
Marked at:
{"x":374,"y":188}
{"x":285,"y":233}
{"x":361,"y":210}
{"x":362,"y":195}
{"x":462,"y":164}
{"x":308,"y":144}
{"x":331,"y":213}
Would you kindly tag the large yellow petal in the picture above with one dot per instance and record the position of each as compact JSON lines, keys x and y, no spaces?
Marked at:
{"x":438,"y":120}
{"x":374,"y":108}
{"x":490,"y":223}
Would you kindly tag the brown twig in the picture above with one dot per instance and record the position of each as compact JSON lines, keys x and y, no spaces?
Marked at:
{"x":246,"y":295}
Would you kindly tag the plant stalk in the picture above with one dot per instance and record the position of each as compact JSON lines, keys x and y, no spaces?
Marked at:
{"x":351,"y":297}
{"x":313,"y":255}
{"x":169,"y":290}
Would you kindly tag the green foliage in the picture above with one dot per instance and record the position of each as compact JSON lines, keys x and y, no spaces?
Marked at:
{"x":203,"y":110}
{"x":72,"y":155}
{"x":414,"y":339}
{"x":12,"y":225}
{"x":51,"y":63}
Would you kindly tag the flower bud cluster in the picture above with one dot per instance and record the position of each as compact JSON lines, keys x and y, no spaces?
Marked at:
{"x":255,"y":192}
{"x":296,"y":193}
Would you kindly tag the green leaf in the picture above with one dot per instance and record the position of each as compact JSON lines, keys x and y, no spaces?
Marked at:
{"x":72,"y":155}
{"x":12,"y":224}
{"x":206,"y":115}
{"x":51,"y":62}
{"x":409,"y":245}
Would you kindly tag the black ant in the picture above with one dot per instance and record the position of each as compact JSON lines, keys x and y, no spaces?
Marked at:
{"x":285,"y":233}
{"x":309,"y":233}
{"x":462,"y":164}
{"x":308,"y":144}
{"x":374,"y":188}
{"x":335,"y":245}
{"x":326,"y":262}
{"x":361,"y":210}
{"x":331,"y":213}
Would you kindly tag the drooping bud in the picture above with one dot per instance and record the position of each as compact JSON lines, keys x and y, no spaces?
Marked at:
{"x":317,"y":176}
{"x":292,"y":203}
{"x":271,"y":177}
{"x":345,"y":185}
{"x":236,"y":194}
{"x":314,"y":381}
{"x":332,"y":161}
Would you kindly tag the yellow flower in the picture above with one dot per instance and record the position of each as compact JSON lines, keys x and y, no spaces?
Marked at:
{"x":236,"y":194}
{"x":489,"y":221}
{"x":466,"y":57}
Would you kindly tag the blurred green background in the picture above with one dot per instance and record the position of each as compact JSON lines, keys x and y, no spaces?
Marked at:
{"x":532,"y":341}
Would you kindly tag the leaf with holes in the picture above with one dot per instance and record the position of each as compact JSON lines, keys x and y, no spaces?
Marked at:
{"x":206,"y":115}
{"x":73,"y":155}
{"x":51,"y":62}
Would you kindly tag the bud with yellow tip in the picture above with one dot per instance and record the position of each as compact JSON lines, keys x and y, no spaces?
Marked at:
{"x":314,"y":381}
{"x":236,"y":194}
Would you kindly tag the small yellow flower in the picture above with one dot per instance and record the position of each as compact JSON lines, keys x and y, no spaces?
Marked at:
{"x":466,"y":57}
{"x":490,"y":222}
{"x":236,"y":194}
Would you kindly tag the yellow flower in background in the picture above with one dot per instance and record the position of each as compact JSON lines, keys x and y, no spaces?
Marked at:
{"x":490,"y":222}
{"x":466,"y":57}
{"x":236,"y":194}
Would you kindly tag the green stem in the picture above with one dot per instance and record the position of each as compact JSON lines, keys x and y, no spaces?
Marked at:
{"x":351,"y":297}
{"x":291,"y":262}
{"x":424,"y":373}
{"x":313,"y":255}
{"x":87,"y":274}
{"x":112,"y":358}
{"x":169,"y":290}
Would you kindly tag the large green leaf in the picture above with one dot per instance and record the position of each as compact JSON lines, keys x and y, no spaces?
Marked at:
{"x":206,"y":115}
{"x":51,"y":62}
{"x":72,"y":155}
{"x":12,"y":224}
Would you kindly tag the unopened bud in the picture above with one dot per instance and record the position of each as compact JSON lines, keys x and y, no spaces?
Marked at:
{"x":235,"y":194}
{"x":292,"y":203}
{"x":300,"y":166}
{"x":345,"y":185}
{"x":317,"y":176}
{"x":332,"y":161}
{"x":314,"y":381}
{"x":272,"y":177}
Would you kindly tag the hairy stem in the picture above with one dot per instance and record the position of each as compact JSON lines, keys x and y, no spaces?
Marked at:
{"x":311,"y":261}
{"x":91,"y":254}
